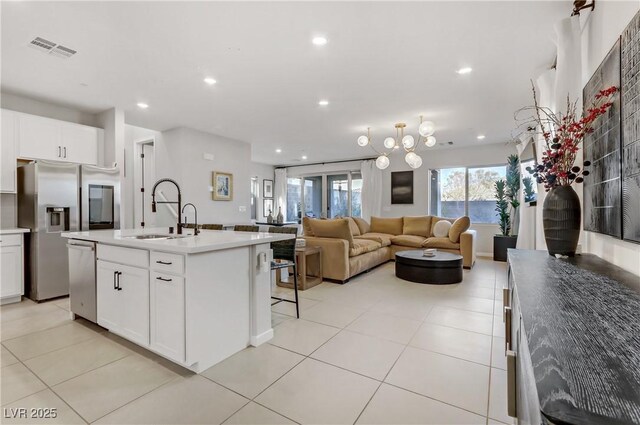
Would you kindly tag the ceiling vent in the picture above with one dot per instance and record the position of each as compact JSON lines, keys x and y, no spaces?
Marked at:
{"x":62,"y":52}
{"x":51,"y":48}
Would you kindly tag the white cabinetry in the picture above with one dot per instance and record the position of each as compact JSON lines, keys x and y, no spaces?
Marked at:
{"x":11,"y":276}
{"x":8,"y":160}
{"x":123,"y":300}
{"x":167,"y":315}
{"x":46,"y":138}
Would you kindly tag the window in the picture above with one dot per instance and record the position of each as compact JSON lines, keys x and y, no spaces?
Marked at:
{"x":530,"y":189}
{"x":466,"y":191}
{"x":356,"y":195}
{"x":294,"y":197}
{"x":254,"y":198}
{"x":325,"y":195}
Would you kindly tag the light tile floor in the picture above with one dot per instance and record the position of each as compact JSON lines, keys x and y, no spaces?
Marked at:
{"x":377,"y":350}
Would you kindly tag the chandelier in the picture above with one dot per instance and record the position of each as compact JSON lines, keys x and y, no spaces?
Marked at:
{"x":407,"y":142}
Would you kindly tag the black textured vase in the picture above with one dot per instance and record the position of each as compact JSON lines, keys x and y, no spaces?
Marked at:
{"x":561,"y":217}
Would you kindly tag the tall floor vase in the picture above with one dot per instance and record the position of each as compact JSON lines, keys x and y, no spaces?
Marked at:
{"x":561,"y":215}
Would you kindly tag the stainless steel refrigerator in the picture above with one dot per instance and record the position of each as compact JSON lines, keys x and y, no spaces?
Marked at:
{"x":53,"y":198}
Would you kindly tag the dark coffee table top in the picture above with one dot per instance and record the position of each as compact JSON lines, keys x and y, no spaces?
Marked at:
{"x":440,"y":257}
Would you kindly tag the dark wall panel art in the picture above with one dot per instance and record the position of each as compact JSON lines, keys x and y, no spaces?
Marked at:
{"x":630,"y":88}
{"x":402,"y":187}
{"x":602,"y":187}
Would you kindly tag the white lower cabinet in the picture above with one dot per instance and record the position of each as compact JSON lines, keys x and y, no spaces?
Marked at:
{"x":11,"y":276}
{"x":123,"y":300}
{"x":168,"y":315}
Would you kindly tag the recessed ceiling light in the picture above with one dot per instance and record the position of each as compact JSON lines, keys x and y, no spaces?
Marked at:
{"x":480,"y":137}
{"x":319,"y":41}
{"x":323,"y":102}
{"x":278,"y":150}
{"x":465,"y":70}
{"x":304,"y":156}
{"x":210,"y":81}
{"x":142,"y":105}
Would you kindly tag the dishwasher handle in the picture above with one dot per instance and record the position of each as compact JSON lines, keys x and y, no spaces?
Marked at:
{"x":80,"y":247}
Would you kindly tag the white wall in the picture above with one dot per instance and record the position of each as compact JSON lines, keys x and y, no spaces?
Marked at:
{"x":599,"y":34}
{"x":28,"y":105}
{"x":490,"y":154}
{"x":262,"y":172}
{"x":179,"y":155}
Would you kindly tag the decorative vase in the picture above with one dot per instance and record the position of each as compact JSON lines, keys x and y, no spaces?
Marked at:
{"x":561,"y":216}
{"x":280,"y":218}
{"x":269,"y":218}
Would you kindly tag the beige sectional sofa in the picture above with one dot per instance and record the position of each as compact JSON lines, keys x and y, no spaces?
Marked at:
{"x":352,"y":245}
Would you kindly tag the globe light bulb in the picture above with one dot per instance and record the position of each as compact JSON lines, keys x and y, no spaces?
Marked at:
{"x":413,"y":159}
{"x":417,"y":163}
{"x":382,"y":162}
{"x":363,"y":141}
{"x":430,"y":142}
{"x":408,"y":141}
{"x":427,"y":128}
{"x":389,"y":143}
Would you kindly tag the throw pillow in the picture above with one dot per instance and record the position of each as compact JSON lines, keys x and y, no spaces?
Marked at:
{"x":458,"y":227}
{"x":441,"y":229}
{"x":306,"y":226}
{"x":362,"y":225}
{"x":355,"y":230}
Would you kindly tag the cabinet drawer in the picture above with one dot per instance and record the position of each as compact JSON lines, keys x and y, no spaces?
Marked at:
{"x":117,"y":254}
{"x":10,"y":240}
{"x":167,"y":263}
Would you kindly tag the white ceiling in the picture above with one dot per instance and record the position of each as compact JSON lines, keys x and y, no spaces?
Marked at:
{"x":385,"y":62}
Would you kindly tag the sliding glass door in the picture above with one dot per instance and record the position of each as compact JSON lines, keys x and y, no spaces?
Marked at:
{"x":324,"y":196}
{"x":337,"y":195}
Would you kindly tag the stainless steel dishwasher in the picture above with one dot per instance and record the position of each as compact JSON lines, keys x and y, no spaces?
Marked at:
{"x":82,"y":278}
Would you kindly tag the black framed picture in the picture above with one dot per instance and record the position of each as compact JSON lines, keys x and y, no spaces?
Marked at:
{"x":402,"y":187}
{"x":267,"y":207}
{"x":267,"y":188}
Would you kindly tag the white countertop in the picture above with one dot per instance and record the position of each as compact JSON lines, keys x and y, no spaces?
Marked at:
{"x":207,"y":240}
{"x":13,"y":231}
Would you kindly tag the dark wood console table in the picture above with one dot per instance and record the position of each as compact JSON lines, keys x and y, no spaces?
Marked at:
{"x":573,"y":340}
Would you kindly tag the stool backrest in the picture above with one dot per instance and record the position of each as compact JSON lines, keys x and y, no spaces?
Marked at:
{"x":211,"y":226}
{"x":246,"y":228}
{"x":284,"y":250}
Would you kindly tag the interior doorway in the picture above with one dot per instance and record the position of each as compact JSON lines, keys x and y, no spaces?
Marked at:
{"x":144,"y":178}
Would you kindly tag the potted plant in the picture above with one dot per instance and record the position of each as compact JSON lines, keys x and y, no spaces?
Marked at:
{"x":507,"y":203}
{"x":529,"y":192}
{"x":563,"y":133}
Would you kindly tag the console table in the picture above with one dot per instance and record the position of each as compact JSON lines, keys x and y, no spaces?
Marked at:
{"x":572,"y":340}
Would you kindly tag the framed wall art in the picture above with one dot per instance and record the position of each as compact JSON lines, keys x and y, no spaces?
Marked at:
{"x":222,"y":186}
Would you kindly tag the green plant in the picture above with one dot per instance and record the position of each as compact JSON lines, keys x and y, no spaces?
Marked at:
{"x":502,"y":207}
{"x":512,"y":191}
{"x":529,"y":193}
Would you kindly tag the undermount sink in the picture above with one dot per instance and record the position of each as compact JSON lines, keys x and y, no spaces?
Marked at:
{"x":156,"y":237}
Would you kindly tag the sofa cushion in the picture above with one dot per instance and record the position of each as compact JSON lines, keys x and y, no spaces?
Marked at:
{"x":391,"y":226}
{"x":458,"y":227}
{"x":306,"y":226}
{"x":338,"y":229}
{"x":408,"y":240}
{"x":419,"y":226}
{"x":362,"y":225}
{"x":362,"y":246}
{"x":442,"y":243}
{"x":383,"y":238}
{"x":435,"y":220}
{"x":355,"y":230}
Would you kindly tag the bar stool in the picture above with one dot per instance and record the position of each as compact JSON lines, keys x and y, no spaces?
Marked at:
{"x":284,"y":256}
{"x":245,"y":228}
{"x":211,"y":226}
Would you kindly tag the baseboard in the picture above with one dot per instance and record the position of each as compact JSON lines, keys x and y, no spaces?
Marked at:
{"x":262,"y":338}
{"x":484,"y":254}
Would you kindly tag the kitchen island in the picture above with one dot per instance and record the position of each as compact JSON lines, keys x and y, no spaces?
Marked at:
{"x":195,"y":300}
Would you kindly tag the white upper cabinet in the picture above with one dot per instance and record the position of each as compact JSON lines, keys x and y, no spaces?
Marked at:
{"x":46,"y":138}
{"x":39,"y":138}
{"x":80,"y":144}
{"x":8,"y":159}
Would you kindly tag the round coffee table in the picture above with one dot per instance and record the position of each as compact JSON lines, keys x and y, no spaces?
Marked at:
{"x":442,"y":268}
